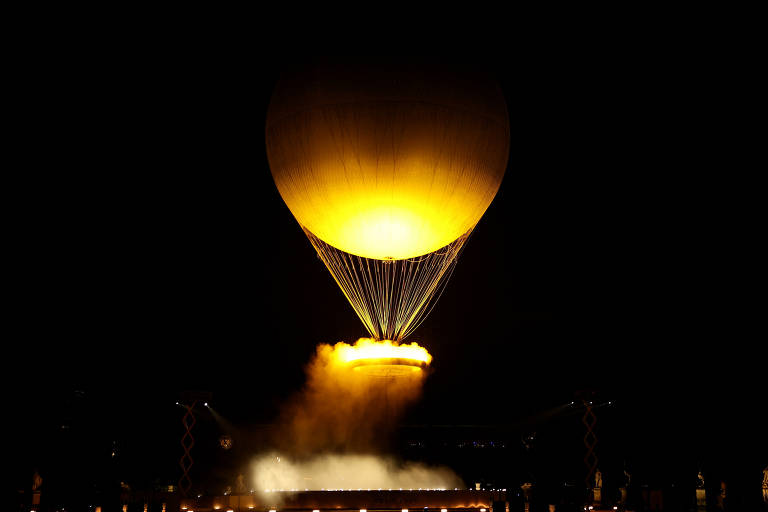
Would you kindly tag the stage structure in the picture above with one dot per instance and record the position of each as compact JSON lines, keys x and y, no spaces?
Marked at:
{"x":189,"y":400}
{"x":593,"y":483}
{"x":362,"y":500}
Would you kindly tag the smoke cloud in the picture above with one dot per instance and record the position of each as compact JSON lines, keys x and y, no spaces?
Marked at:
{"x":342,"y":410}
{"x":333,"y":433}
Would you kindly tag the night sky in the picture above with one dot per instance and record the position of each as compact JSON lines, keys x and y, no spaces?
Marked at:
{"x":152,"y":253}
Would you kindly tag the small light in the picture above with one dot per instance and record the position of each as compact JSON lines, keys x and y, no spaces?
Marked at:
{"x":316,"y":510}
{"x":482,"y":510}
{"x":443,"y":510}
{"x":405,"y":510}
{"x":272,"y":510}
{"x":205,"y":404}
{"x":363,"y":510}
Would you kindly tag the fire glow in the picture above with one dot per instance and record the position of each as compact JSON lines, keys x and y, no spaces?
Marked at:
{"x":387,"y":358}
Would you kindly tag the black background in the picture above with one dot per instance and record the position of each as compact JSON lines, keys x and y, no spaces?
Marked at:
{"x":151,"y":253}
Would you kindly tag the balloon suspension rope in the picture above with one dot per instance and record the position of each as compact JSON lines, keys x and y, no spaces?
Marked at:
{"x":391,"y":297}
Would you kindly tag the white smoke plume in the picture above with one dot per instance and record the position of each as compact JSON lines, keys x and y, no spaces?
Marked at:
{"x":347,"y":471}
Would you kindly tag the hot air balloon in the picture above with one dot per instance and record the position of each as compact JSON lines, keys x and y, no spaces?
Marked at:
{"x":388,"y":166}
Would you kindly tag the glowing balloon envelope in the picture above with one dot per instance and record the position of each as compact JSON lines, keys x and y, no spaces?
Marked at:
{"x":387,"y":162}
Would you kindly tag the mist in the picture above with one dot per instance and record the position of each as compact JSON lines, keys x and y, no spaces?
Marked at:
{"x":348,"y":471}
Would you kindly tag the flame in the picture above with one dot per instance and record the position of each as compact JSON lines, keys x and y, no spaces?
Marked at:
{"x":368,"y":348}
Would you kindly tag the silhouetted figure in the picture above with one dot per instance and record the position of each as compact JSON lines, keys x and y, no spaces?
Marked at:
{"x":240,"y":484}
{"x":722,"y":496}
{"x":597,"y":490}
{"x":701,"y":493}
{"x":527,"y":487}
{"x":624,"y":489}
{"x":765,"y":485}
{"x":37,"y":482}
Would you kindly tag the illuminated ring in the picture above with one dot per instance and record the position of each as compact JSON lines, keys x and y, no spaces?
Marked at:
{"x":387,"y":365}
